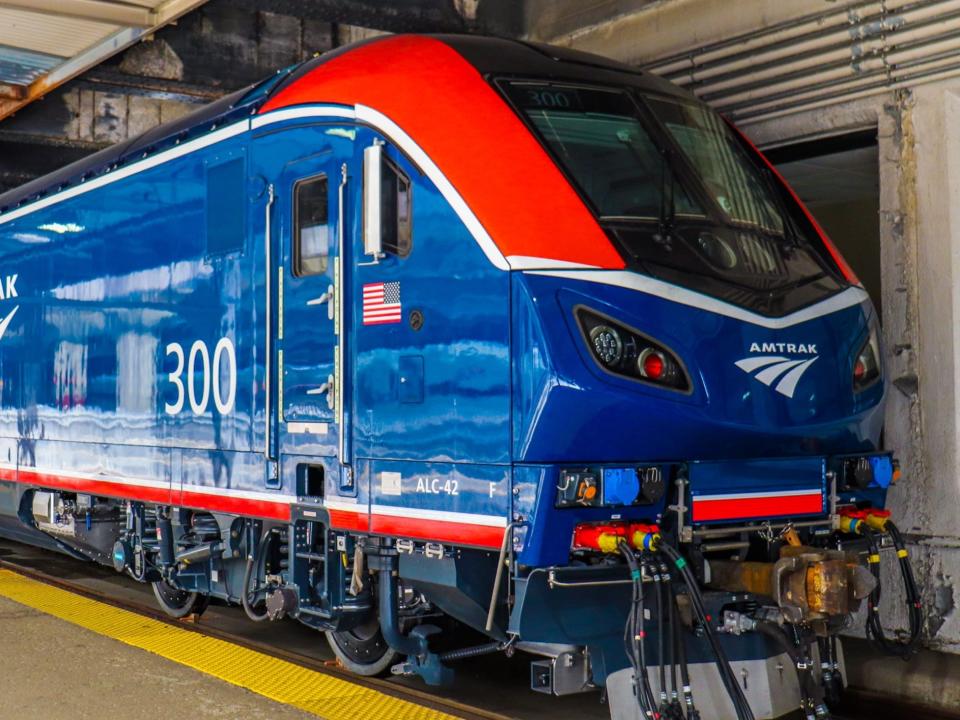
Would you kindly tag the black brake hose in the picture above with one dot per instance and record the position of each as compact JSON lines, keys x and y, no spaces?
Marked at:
{"x":247,"y":574}
{"x":874,"y":626}
{"x":634,"y":639}
{"x":730,"y":682}
{"x":681,"y":647}
{"x":805,"y":679}
{"x":675,"y":709}
{"x":661,"y":631}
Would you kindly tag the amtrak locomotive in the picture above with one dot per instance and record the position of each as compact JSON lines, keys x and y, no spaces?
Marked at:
{"x":434,"y":332}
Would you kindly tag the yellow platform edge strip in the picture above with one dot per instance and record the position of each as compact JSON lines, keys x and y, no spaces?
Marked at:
{"x":323,"y":695}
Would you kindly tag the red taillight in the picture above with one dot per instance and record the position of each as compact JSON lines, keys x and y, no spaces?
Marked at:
{"x":859,"y":371}
{"x":652,"y":364}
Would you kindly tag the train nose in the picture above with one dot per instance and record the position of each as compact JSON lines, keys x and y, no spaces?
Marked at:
{"x":820,"y":371}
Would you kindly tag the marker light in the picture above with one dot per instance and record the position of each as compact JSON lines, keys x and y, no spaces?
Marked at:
{"x":866,"y":367}
{"x":623,"y":351}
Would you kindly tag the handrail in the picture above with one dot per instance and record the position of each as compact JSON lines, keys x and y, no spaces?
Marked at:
{"x":268,"y":364}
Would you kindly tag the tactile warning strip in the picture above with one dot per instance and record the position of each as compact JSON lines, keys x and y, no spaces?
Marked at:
{"x":328,"y":697}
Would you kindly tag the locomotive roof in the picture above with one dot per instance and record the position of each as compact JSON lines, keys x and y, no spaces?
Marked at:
{"x":490,"y":56}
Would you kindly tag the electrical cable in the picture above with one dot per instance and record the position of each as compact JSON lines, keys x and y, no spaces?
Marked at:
{"x":811,"y":698}
{"x":247,"y":574}
{"x":664,"y":707}
{"x":634,"y":637}
{"x":675,"y":709}
{"x":874,"y":627}
{"x":681,"y":647}
{"x":730,"y":682}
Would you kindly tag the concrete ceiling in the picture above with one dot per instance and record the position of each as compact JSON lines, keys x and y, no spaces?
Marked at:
{"x":44,"y":43}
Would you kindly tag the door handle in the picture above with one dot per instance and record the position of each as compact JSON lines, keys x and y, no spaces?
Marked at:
{"x":327,"y":388}
{"x":327,"y":297}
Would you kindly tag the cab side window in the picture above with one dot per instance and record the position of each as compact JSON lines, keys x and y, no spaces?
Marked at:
{"x":311,"y":226}
{"x":396,"y":211}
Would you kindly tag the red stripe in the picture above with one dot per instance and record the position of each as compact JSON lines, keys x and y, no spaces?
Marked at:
{"x":439,"y":530}
{"x":349,"y":520}
{"x":235,"y":505}
{"x":439,"y":99}
{"x":146,"y":493}
{"x":706,"y":509}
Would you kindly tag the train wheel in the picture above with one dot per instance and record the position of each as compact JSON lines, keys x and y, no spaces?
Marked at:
{"x":363,"y":650}
{"x":179,"y":603}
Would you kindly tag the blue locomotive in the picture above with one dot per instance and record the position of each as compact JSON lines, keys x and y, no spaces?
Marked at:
{"x":435,"y":331}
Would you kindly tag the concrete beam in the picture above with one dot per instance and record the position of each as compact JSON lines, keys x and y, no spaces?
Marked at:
{"x":662,"y":29}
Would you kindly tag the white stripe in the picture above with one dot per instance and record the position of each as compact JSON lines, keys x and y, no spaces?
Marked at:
{"x":635,"y":281}
{"x":393,"y":131}
{"x":526,"y":262}
{"x":420,"y":513}
{"x":158,"y":484}
{"x":443,"y":515}
{"x":757,"y":495}
{"x":300,"y":112}
{"x":347,"y":505}
{"x":138,"y":167}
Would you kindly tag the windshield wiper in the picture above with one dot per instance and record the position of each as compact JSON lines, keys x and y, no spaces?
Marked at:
{"x":668,"y":210}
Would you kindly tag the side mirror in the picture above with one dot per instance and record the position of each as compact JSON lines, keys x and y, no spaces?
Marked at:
{"x":372,"y":238}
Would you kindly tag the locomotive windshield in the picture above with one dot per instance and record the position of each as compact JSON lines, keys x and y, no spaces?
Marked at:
{"x":684,"y":198}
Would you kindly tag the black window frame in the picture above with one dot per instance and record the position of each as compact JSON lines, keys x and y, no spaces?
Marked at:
{"x":399,"y":249}
{"x":296,"y":254}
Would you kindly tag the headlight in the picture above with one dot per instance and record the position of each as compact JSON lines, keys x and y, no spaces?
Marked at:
{"x":866,"y":367}
{"x":626,"y":352}
{"x":607,"y":345}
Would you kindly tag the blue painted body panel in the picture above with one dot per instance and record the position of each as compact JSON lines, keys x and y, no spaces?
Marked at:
{"x":503,"y":377}
{"x":568,"y":409}
{"x":472,"y":415}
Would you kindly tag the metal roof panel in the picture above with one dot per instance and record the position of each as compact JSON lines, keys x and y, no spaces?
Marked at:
{"x":50,"y":34}
{"x":21,"y":67}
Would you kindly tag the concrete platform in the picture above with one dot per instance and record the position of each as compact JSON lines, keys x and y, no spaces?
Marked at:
{"x":55,"y":670}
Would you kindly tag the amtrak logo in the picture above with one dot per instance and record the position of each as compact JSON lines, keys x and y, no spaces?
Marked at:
{"x":783,"y":371}
{"x":8,"y":290}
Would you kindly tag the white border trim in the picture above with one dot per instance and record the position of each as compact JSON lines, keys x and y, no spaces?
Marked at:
{"x":256,"y":495}
{"x":526,"y":262}
{"x":388,"y":127}
{"x":417,"y":513}
{"x":139,"y":166}
{"x":300,"y":112}
{"x":758,"y":495}
{"x":674,"y":293}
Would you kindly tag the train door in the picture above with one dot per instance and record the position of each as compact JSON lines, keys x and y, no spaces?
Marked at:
{"x":301,"y":170}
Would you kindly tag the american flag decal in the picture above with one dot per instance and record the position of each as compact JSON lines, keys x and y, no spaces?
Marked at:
{"x":381,"y":303}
